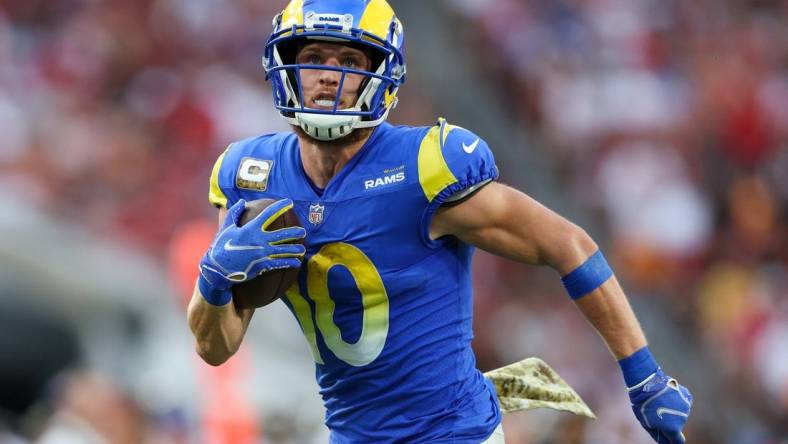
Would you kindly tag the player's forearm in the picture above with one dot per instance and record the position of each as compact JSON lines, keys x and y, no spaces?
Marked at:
{"x":218,"y":330}
{"x":608,"y":310}
{"x":606,"y":307}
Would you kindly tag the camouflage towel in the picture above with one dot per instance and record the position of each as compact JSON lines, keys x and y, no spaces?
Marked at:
{"x":531,"y":384}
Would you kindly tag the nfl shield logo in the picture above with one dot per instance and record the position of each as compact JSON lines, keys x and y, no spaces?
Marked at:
{"x":316,"y":214}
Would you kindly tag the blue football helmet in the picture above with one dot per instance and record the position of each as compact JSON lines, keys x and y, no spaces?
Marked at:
{"x":370,"y":25}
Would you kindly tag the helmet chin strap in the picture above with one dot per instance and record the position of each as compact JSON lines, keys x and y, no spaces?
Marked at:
{"x":331,"y":127}
{"x":326,"y":126}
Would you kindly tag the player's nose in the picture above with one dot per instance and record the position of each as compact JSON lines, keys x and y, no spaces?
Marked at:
{"x":329,"y":77}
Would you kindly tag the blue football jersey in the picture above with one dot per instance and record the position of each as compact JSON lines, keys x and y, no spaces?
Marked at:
{"x":386,"y":310}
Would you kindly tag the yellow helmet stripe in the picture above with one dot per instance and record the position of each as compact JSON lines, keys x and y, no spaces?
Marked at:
{"x":377,"y":18}
{"x":434,"y":173}
{"x":293,"y":14}
{"x":215,"y":194}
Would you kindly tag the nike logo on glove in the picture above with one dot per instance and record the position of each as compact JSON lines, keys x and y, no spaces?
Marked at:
{"x":230,"y":247}
{"x":469,"y":148}
{"x":663,"y":410}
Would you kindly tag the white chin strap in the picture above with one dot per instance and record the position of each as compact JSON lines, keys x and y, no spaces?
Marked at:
{"x":330,"y":126}
{"x":326,"y":126}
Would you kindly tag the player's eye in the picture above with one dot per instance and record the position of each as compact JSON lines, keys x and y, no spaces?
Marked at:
{"x":350,"y":62}
{"x":314,"y":59}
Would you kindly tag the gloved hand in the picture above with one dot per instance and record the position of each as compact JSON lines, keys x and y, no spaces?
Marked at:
{"x":238,"y":254}
{"x":662,"y":406}
{"x":660,"y":403}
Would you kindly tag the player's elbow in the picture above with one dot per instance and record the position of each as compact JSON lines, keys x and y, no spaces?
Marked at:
{"x":213,"y":355}
{"x":215,"y":360}
{"x":572,"y":249}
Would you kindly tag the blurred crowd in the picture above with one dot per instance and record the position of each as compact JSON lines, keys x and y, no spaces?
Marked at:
{"x":114,"y":111}
{"x":666,"y":120}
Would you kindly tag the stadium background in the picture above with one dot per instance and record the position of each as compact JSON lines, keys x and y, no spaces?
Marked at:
{"x":659,"y":125}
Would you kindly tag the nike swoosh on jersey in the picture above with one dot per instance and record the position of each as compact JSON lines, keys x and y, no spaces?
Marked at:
{"x":664,"y":410}
{"x":230,"y":247}
{"x":469,"y":148}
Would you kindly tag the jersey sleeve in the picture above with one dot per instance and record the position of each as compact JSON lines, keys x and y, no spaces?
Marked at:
{"x":222,"y":193}
{"x":452,"y":163}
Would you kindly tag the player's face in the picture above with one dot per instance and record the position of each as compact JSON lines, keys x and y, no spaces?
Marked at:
{"x":320,"y":86}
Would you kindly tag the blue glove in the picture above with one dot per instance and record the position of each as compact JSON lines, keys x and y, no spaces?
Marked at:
{"x":238,"y":254}
{"x":660,"y":403}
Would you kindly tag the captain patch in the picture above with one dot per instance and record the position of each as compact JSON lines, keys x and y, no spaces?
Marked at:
{"x":253,"y":174}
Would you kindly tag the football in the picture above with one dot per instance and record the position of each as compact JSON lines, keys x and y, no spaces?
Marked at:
{"x":269,"y":286}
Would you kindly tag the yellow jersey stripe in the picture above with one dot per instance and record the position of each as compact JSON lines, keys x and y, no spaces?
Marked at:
{"x":377,"y":18}
{"x":215,"y":195}
{"x":434,"y":173}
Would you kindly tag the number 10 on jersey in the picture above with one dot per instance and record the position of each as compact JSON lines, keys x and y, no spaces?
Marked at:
{"x":374,"y":300}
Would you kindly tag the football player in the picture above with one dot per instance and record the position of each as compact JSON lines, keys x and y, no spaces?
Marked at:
{"x":392,"y":218}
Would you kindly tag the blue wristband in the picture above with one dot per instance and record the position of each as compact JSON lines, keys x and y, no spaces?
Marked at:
{"x":638,"y":366}
{"x":212,"y":295}
{"x":587,"y":277}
